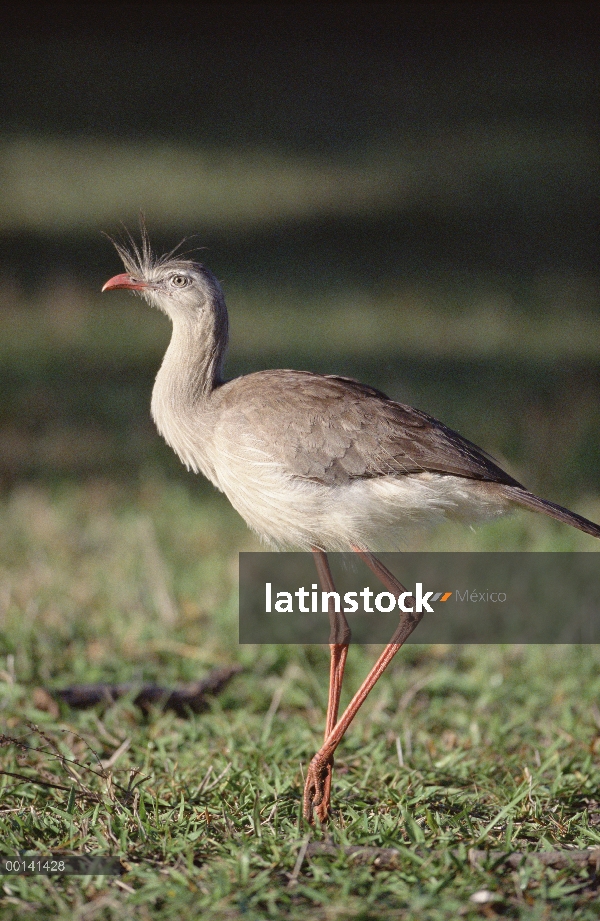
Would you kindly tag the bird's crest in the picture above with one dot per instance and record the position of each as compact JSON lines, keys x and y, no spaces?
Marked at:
{"x":139,"y":258}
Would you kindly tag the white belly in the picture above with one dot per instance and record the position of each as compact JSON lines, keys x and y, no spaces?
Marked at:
{"x":373,"y":514}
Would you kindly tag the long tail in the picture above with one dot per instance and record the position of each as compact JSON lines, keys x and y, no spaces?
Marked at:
{"x":521,"y":496}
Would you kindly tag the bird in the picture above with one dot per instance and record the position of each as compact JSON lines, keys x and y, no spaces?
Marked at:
{"x":311,"y":462}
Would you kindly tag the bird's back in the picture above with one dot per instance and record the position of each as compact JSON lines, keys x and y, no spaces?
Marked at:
{"x":333,"y":430}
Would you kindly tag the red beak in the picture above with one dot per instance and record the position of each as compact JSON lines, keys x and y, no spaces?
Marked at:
{"x":124,"y":281}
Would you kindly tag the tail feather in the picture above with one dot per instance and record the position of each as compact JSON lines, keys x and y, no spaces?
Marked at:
{"x":527,"y":499}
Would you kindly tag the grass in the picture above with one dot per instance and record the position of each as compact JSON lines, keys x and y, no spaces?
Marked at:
{"x":499,"y":745}
{"x":56,"y":184}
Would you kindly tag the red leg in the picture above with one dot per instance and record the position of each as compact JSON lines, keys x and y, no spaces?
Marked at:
{"x":339,"y":639}
{"x":318,"y":771}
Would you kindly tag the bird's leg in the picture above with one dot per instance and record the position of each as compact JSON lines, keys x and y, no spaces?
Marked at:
{"x":314,"y":789}
{"x":339,"y":639}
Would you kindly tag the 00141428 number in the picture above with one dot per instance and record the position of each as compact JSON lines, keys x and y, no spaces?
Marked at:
{"x":61,"y":865}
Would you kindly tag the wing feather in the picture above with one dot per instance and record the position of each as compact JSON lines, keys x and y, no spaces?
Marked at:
{"x":334,"y":429}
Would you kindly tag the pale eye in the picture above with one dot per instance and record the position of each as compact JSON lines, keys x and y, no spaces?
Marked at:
{"x":180,"y":281}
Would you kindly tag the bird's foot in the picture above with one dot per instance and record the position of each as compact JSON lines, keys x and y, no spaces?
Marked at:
{"x":317,"y":789}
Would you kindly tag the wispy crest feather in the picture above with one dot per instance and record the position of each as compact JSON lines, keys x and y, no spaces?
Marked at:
{"x":140,"y":259}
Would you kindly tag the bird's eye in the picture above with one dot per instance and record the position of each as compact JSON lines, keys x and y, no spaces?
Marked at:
{"x":180,"y":281}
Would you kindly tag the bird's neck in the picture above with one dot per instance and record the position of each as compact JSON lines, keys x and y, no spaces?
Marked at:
{"x":191,"y":370}
{"x":193,"y":363}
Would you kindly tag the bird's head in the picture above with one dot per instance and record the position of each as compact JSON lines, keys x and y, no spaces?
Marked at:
{"x":183,"y":289}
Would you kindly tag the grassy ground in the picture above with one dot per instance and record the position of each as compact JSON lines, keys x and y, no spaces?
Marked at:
{"x":499,"y":745}
{"x":57,"y":185}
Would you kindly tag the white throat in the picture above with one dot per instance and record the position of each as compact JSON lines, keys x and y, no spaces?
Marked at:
{"x":181,"y":398}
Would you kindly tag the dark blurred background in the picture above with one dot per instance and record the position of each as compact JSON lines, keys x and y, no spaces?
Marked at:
{"x":405,"y":193}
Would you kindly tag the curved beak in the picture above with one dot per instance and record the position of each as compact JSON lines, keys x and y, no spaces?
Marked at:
{"x":124,"y":281}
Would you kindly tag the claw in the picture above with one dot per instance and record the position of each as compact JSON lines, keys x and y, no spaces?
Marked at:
{"x":316,"y":789}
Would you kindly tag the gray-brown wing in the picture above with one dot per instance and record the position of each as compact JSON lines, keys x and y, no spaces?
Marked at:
{"x":334,"y":429}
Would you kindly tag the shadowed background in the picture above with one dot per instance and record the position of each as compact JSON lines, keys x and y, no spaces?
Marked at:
{"x":403,"y":193}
